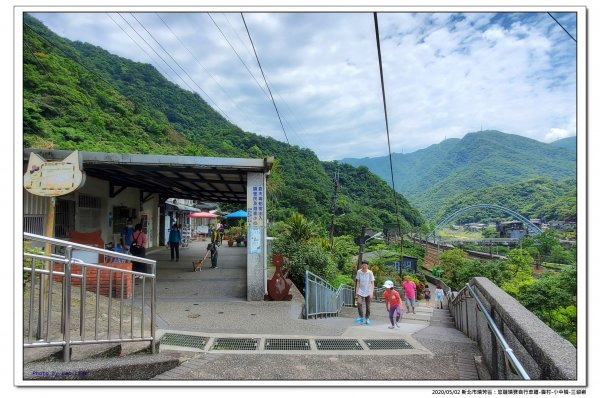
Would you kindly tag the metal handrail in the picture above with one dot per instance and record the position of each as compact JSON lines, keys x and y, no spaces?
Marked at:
{"x":45,"y":295}
{"x":321,"y":299}
{"x":508,"y":352}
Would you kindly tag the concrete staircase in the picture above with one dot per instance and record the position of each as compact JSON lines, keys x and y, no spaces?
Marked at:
{"x":442,"y":318}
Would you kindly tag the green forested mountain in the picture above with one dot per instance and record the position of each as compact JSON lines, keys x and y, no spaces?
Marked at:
{"x":541,"y":198}
{"x":78,"y":96}
{"x":569,"y":143}
{"x":431,"y":177}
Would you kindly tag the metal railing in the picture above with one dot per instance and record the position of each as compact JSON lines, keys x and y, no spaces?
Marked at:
{"x":322,"y":300}
{"x":510,"y":359}
{"x":45,"y":302}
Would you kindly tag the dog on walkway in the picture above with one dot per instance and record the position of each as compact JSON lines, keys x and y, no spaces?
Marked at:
{"x":197,"y":265}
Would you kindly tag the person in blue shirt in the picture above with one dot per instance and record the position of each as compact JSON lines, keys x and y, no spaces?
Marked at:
{"x":174,"y":241}
{"x":126,"y":234}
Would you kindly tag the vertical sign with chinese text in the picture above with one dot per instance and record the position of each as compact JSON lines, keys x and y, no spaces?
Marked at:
{"x":256,"y":205}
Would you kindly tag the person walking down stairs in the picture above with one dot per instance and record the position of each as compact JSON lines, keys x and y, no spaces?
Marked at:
{"x":410,"y":293}
{"x":439,"y":296}
{"x":364,"y":287}
{"x":393,"y":304}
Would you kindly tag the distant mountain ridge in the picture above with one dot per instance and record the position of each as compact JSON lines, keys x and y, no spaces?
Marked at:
{"x":430,"y":177}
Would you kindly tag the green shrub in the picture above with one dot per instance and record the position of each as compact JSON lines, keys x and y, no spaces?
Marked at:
{"x":342,"y":279}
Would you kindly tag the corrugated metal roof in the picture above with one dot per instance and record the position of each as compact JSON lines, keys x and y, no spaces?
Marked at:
{"x":209,"y":179}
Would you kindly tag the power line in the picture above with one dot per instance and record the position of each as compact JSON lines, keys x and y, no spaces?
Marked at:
{"x":36,"y":58}
{"x":199,"y":63}
{"x":141,"y":48}
{"x":180,"y":67}
{"x":238,"y":55}
{"x":296,"y":120}
{"x":386,"y":122}
{"x":336,"y":184}
{"x":559,"y":24}
{"x":155,"y":52}
{"x":250,"y":72}
{"x":263,"y":74}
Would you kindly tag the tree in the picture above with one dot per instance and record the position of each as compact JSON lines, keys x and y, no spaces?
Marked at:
{"x":553,"y":298}
{"x":490,"y":232}
{"x":519,"y":271}
{"x":451,"y":261}
{"x":299,"y":228}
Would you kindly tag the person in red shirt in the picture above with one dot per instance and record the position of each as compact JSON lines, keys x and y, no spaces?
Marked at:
{"x":393,"y":303}
{"x":410,"y":293}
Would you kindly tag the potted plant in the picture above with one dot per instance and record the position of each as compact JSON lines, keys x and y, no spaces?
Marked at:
{"x":235,"y":234}
{"x":239,"y":239}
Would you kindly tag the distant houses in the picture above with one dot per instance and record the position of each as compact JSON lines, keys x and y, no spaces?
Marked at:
{"x":515,"y":229}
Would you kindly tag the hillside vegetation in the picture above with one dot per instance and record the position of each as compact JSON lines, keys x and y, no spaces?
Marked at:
{"x":79,"y":96}
{"x":540,"y":198}
{"x":569,"y":143}
{"x":432,"y":177}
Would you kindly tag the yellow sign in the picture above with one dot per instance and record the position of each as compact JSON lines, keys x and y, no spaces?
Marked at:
{"x":53,"y":178}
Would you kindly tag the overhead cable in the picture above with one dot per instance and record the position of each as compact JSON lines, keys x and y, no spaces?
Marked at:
{"x":180,"y":67}
{"x":559,"y":24}
{"x":154,"y":62}
{"x":296,"y":120}
{"x":238,"y":55}
{"x":248,"y":69}
{"x":199,"y":63}
{"x":35,"y":57}
{"x":263,"y":74}
{"x":386,"y":120}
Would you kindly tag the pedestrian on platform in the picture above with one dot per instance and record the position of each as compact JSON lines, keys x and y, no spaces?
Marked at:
{"x":427,"y":295}
{"x":439,"y":296}
{"x":175,"y":241}
{"x":139,"y":242}
{"x":212,"y":249}
{"x":393,"y":304}
{"x":126,"y":234}
{"x":364,"y":287}
{"x":410,"y":293}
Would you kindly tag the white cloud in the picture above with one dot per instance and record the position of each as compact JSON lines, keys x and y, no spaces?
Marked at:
{"x":557,"y":134}
{"x":445,"y":74}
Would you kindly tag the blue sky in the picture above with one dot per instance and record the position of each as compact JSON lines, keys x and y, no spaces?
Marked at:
{"x":446,"y":74}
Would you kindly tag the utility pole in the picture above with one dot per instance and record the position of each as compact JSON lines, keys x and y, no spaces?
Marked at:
{"x":336,"y":183}
{"x":361,"y":248}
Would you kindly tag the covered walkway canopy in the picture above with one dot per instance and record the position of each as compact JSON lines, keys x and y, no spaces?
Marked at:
{"x":187,"y":177}
{"x":159,"y":177}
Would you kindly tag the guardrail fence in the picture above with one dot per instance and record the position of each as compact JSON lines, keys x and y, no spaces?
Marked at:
{"x":322,"y":300}
{"x":59,"y":290}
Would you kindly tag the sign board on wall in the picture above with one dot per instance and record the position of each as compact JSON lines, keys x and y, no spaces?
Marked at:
{"x":256,"y":205}
{"x":44,"y":178}
{"x":255,"y":240}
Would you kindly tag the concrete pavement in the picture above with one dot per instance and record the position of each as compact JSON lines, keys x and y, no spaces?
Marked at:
{"x":211,"y":303}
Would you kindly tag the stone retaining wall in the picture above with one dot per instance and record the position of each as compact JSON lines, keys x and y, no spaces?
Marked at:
{"x":544,"y":354}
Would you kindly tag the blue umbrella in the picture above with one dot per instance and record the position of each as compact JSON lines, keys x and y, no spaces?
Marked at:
{"x":237,"y":214}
